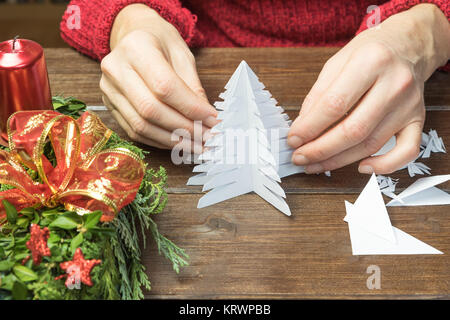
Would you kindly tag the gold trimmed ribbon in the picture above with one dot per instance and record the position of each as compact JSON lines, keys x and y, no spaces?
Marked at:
{"x":83,"y":179}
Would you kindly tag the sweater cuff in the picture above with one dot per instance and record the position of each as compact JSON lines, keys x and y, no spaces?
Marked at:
{"x":396,"y":6}
{"x":97,"y":18}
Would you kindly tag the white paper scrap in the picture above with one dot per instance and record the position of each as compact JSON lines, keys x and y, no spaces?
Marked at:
{"x":423,"y":193}
{"x":366,"y":243}
{"x":387,"y":185}
{"x":374,"y":217}
{"x":369,"y":223}
{"x":432,"y":143}
{"x":417,"y":168}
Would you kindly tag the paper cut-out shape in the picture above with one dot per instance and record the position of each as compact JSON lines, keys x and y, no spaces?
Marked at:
{"x":417,"y":168}
{"x":371,"y":232}
{"x":365,"y":243}
{"x":374,"y":218}
{"x":432,"y":143}
{"x":387,"y":185}
{"x":248,"y":151}
{"x":423,"y":193}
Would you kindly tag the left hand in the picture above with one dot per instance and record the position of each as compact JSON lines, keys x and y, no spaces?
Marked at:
{"x":369,"y":91}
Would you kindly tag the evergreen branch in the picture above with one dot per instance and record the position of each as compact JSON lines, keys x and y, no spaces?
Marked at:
{"x":170,"y":250}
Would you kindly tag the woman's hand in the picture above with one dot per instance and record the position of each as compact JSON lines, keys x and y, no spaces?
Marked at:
{"x":369,"y":91}
{"x":150,"y":81}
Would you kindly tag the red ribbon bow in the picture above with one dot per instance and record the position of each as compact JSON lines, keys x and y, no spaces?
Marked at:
{"x":84,"y":178}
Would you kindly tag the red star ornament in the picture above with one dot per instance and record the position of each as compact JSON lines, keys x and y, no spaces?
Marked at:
{"x":38,"y":243}
{"x":78,"y":270}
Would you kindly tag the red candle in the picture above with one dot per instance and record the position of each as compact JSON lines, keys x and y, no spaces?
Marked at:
{"x":23,"y":79}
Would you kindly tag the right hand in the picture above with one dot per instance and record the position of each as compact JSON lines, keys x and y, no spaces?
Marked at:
{"x":150,"y":81}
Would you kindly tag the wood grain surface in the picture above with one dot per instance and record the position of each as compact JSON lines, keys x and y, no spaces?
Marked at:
{"x":244,"y":248}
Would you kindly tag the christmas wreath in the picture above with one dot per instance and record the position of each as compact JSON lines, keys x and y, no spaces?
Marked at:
{"x":76,"y":203}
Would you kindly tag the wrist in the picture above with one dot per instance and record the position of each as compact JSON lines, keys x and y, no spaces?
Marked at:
{"x":135,"y":17}
{"x":424,"y":37}
{"x":433,"y":24}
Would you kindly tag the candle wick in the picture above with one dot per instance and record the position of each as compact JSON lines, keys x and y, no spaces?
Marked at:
{"x":14,"y":43}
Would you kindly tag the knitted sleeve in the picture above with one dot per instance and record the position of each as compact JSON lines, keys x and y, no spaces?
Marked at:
{"x":86,"y":24}
{"x":395,"y":6}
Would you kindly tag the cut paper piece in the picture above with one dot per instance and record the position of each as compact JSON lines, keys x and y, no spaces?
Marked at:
{"x":432,"y":143}
{"x":248,"y":151}
{"x":387,"y":185}
{"x":374,"y":218}
{"x":365,"y":243}
{"x":367,"y":239}
{"x":423,"y":193}
{"x":417,"y":168}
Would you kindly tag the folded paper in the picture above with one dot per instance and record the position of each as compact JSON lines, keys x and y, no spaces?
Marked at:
{"x":371,"y":231}
{"x":248,"y":151}
{"x":423,"y":193}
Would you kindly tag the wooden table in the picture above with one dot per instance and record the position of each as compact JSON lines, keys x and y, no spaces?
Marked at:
{"x":244,"y":248}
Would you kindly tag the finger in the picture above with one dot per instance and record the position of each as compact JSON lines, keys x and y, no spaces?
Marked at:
{"x":355,"y":128}
{"x":330,"y":71}
{"x":126,"y":82}
{"x":406,"y":150}
{"x":139,"y":129}
{"x":124,"y":124}
{"x":380,"y":135}
{"x":170,"y":89}
{"x":355,"y":79}
{"x":184,"y":66}
{"x":183,"y":144}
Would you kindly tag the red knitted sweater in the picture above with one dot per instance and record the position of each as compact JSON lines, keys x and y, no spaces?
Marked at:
{"x":244,"y":23}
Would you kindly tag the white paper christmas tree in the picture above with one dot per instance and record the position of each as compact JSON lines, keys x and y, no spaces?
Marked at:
{"x":248,"y":151}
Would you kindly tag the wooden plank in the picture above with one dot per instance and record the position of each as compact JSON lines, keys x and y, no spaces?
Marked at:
{"x":287,"y":72}
{"x":245,"y":248}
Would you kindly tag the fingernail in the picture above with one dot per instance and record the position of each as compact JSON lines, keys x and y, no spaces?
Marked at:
{"x":365,"y":169}
{"x":294,"y":141}
{"x":300,"y":159}
{"x":314,"y":168}
{"x":211,"y":121}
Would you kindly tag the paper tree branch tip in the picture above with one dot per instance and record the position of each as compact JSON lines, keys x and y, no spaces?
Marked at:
{"x":371,"y":230}
{"x":248,"y":151}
